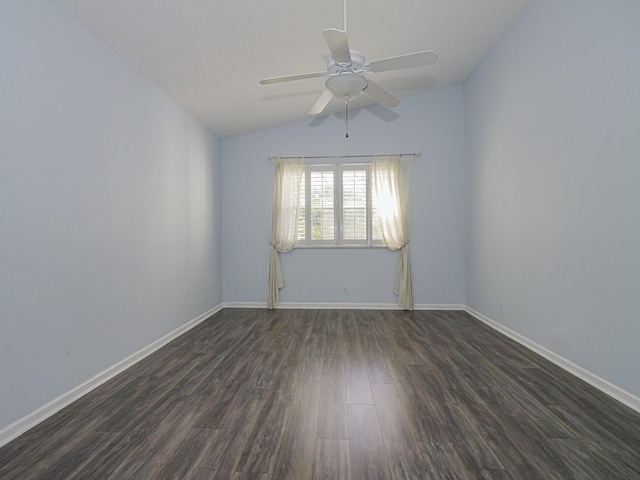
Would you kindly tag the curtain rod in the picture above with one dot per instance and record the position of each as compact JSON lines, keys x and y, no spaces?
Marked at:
{"x":418,"y":154}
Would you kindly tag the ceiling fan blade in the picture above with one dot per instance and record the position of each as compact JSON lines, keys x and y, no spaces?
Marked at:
{"x":321,"y":103}
{"x":338,"y":44}
{"x":288,"y":78}
{"x":380,"y":95}
{"x":409,"y":60}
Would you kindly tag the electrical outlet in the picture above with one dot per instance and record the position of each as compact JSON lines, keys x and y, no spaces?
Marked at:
{"x":345,"y":290}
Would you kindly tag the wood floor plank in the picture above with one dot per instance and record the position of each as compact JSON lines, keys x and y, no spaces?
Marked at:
{"x":269,"y":332}
{"x":69,"y":464}
{"x":516,"y":402}
{"x":400,"y":329}
{"x":263,"y":443}
{"x":368,"y":455}
{"x":579,"y":461}
{"x":162,"y":438}
{"x":602,"y":442}
{"x":28,"y":446}
{"x":131,"y":412}
{"x":294,"y":341}
{"x":403,"y":452}
{"x":380,"y":325}
{"x":350,"y":335}
{"x":444,"y":462}
{"x":590,"y":402}
{"x":116,"y":454}
{"x":520,"y":452}
{"x":201,"y":380}
{"x":332,"y":416}
{"x":444,"y":365}
{"x":378,"y":368}
{"x":358,"y":386}
{"x":333,"y":331}
{"x":221,"y":461}
{"x":266,"y":370}
{"x":426,"y":412}
{"x":367,"y":335}
{"x":57,"y":438}
{"x":331,"y":460}
{"x":221,"y":405}
{"x":311,"y":368}
{"x":469,"y":440}
{"x":295,"y":459}
{"x":176,"y":462}
{"x":241,"y":365}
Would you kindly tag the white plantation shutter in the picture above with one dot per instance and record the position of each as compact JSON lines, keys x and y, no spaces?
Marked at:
{"x":354,"y":205}
{"x":337,"y":207}
{"x":302,"y":215}
{"x":322,"y":207}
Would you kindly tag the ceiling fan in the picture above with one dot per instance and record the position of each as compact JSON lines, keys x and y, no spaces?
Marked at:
{"x":346,"y":70}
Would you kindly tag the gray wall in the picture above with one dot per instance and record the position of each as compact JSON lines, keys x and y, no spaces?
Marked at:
{"x":553,"y":150}
{"x":431,"y":123}
{"x":109,"y":209}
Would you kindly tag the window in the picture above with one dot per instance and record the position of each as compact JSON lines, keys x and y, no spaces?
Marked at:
{"x":337,"y":207}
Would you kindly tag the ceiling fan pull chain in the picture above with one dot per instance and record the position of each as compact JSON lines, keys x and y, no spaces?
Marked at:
{"x":346,"y":115}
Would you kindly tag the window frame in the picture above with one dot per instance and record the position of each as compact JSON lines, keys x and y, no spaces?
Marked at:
{"x":338,"y":197}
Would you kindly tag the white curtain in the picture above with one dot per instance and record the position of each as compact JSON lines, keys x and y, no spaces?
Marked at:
{"x":287,"y":181}
{"x":391,"y":179}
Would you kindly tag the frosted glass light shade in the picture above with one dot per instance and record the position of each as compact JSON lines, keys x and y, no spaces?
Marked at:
{"x":346,"y":85}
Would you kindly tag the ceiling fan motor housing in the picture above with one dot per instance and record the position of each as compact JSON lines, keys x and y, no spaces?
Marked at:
{"x":357,"y":65}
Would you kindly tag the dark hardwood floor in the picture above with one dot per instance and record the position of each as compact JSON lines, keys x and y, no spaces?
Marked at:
{"x":336,"y":394}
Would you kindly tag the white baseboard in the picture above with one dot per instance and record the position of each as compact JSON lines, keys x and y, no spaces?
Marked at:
{"x":344,"y":306}
{"x":245,"y":304}
{"x":610,"y":389}
{"x":23,"y":424}
{"x":439,"y":306}
{"x":339,"y":306}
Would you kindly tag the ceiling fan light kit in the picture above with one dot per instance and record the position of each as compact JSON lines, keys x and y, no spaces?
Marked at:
{"x":347,"y":85}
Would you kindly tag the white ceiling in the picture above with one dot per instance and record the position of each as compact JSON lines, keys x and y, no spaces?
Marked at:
{"x":208,"y":55}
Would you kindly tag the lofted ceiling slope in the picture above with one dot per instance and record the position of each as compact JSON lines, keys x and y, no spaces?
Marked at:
{"x":209,"y":55}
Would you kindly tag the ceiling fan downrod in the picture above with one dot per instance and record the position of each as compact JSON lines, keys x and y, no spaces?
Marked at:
{"x":345,"y":16}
